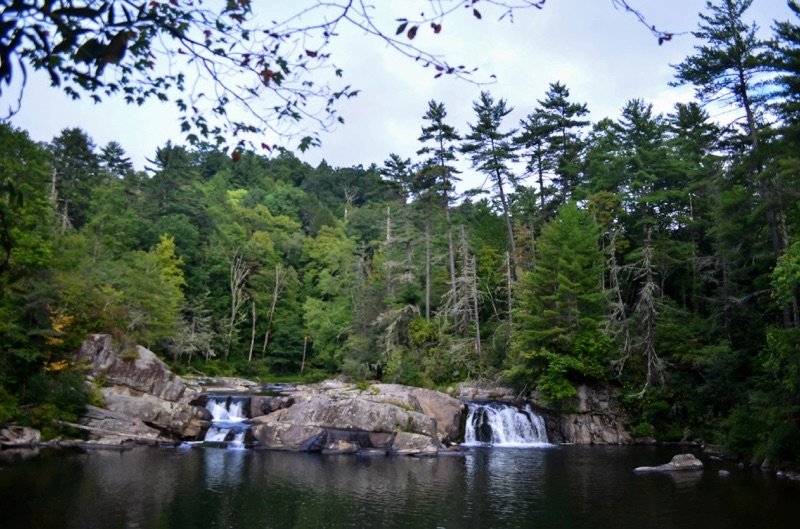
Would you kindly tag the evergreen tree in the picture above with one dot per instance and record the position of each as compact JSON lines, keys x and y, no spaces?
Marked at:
{"x":492,"y":151}
{"x":560,"y":308}
{"x":553,"y":135}
{"x":439,"y":144}
{"x":728,"y":68}
{"x":114,"y":161}
{"x":76,"y":171}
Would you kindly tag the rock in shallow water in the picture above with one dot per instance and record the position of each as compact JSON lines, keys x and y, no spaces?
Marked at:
{"x":678,"y":463}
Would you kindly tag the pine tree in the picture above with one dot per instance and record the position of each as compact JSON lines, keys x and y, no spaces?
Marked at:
{"x":492,"y":151}
{"x":553,"y":133}
{"x":728,"y":69}
{"x":440,"y":145}
{"x":560,"y":307}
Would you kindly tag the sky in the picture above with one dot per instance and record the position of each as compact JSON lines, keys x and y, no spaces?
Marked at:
{"x":603,"y":55}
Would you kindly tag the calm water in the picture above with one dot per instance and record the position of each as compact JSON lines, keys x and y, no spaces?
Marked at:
{"x":570,"y":487}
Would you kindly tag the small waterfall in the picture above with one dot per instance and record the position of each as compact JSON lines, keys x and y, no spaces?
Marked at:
{"x":499,"y":424}
{"x":227,"y":421}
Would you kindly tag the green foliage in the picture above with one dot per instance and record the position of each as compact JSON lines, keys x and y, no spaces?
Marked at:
{"x":53,"y":397}
{"x":560,"y":305}
{"x":784,"y":444}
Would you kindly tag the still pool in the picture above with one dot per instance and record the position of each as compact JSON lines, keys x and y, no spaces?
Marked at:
{"x":564,"y":487}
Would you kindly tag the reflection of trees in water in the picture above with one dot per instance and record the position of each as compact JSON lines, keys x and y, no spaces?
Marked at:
{"x":495,"y":477}
{"x":128,"y":489}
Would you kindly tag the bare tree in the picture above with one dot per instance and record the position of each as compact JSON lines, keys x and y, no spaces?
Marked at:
{"x":280,"y":276}
{"x":239,"y":271}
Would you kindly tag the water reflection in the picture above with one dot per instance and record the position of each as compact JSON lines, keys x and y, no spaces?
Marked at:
{"x":571,"y":487}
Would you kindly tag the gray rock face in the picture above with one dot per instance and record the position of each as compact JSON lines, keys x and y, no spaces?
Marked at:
{"x":141,"y":387}
{"x":333,"y":417}
{"x":680,"y":462}
{"x":590,"y":428}
{"x":264,"y":405}
{"x":595,"y":418}
{"x":19,"y":436}
{"x":446,"y":410}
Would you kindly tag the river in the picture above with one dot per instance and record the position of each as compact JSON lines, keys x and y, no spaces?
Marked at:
{"x":552,"y":487}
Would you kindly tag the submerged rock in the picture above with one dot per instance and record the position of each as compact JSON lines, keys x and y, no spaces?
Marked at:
{"x":680,"y":462}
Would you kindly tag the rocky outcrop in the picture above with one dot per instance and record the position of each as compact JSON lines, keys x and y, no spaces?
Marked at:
{"x":447,"y":411}
{"x":139,"y":390}
{"x":589,"y":428}
{"x":334,"y":417}
{"x":680,"y":462}
{"x":593,"y":417}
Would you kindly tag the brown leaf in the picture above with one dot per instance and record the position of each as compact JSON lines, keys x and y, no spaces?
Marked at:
{"x":477,"y":14}
{"x":236,"y":156}
{"x":311,"y":53}
{"x":401,"y":28}
{"x":412,"y":32}
{"x":436,"y":27}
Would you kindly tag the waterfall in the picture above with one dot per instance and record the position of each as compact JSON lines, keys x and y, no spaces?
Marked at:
{"x":499,"y":424}
{"x":227,"y":421}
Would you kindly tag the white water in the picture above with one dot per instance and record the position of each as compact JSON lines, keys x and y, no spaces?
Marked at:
{"x":227,"y":415}
{"x":223,"y":410}
{"x":498,"y":424}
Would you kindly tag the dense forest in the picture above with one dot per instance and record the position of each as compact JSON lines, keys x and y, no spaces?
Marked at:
{"x":658,"y":254}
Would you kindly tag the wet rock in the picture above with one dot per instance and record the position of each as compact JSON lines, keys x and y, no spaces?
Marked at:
{"x":680,"y":462}
{"x":472,"y":393}
{"x":406,"y":443}
{"x":724,"y":473}
{"x":13,"y":436}
{"x":264,"y":405}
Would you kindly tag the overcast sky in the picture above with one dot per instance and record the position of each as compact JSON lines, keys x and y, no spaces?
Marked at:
{"x":603,"y":55}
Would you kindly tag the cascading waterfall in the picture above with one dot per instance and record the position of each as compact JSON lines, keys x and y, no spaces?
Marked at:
{"x":499,"y":424}
{"x":227,"y":421}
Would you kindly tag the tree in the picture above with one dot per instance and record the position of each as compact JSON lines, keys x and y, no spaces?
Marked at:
{"x":728,"y":68}
{"x":491,"y":152}
{"x":76,"y":171}
{"x":113,"y":160}
{"x":560,"y":306}
{"x":552,"y":133}
{"x":441,"y":173}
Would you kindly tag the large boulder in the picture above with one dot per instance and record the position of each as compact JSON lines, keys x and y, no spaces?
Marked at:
{"x":136,"y":384}
{"x":107,"y":427}
{"x":335,"y":417}
{"x":448,"y":412}
{"x":680,"y":462}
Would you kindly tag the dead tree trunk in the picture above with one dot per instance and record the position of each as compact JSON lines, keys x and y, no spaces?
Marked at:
{"x":238,"y":278}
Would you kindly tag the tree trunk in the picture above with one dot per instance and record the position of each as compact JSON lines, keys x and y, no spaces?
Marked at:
{"x":475,"y":307}
{"x":428,"y":271}
{"x":252,"y":331}
{"x":238,"y":276}
{"x":276,"y":290}
{"x":509,"y":294}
